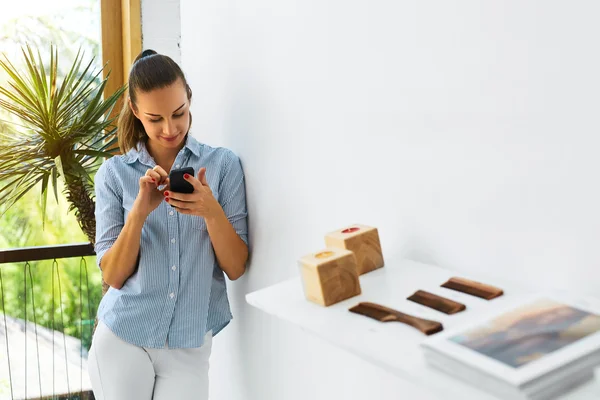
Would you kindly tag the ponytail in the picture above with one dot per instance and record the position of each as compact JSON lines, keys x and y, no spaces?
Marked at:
{"x":130,"y":129}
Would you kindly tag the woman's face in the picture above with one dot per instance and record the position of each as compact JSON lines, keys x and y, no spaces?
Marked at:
{"x":165,"y":114}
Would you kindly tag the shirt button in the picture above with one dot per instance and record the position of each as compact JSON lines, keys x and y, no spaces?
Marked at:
{"x":172,"y":295}
{"x":173,"y":267}
{"x":171,"y":213}
{"x":173,"y":240}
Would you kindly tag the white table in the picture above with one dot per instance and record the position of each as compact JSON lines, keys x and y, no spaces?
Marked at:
{"x":392,"y":346}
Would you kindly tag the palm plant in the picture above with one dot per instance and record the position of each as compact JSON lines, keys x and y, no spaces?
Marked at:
{"x":65,"y":127}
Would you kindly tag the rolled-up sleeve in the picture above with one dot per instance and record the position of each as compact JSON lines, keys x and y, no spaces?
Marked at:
{"x":233,"y":196}
{"x":109,"y":210}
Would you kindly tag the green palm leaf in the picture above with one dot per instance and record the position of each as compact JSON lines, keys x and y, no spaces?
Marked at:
{"x":63,"y":130}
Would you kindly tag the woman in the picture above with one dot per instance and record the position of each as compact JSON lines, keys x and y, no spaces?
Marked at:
{"x":163,"y":254}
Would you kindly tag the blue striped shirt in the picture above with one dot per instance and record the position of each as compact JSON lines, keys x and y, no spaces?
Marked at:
{"x":178,"y":292}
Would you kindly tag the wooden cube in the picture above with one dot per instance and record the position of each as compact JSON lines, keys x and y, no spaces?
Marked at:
{"x":363,"y":240}
{"x":329,"y":276}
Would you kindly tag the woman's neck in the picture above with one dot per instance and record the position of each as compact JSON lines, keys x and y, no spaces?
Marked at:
{"x":162,"y":156}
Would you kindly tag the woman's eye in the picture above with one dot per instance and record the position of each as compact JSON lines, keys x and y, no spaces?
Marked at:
{"x":174,"y":115}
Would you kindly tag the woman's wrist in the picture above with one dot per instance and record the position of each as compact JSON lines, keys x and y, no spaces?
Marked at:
{"x":138,"y":213}
{"x":214,"y":218}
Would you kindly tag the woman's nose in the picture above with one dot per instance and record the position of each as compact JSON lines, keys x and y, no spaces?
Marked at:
{"x":169,"y":127}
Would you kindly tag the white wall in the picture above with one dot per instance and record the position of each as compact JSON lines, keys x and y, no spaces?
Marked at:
{"x":467,"y":132}
{"x":161,"y":27}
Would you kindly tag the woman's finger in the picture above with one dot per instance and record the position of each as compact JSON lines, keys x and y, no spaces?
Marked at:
{"x":154,"y":175}
{"x":161,"y":172}
{"x":180,"y":205}
{"x":147,"y":180}
{"x":185,"y":197}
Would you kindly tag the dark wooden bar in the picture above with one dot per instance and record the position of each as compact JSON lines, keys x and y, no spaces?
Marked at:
{"x":88,"y":395}
{"x":46,"y":253}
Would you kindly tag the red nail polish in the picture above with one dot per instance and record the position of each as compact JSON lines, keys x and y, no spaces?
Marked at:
{"x":166,"y":193}
{"x":186,"y":176}
{"x":166,"y":199}
{"x":153,"y":180}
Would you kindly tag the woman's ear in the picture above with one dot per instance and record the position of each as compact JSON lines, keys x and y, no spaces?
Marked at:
{"x":133,"y":110}
{"x":188,"y":90}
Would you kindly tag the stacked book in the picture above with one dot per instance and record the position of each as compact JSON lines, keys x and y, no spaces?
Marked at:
{"x":536,"y":348}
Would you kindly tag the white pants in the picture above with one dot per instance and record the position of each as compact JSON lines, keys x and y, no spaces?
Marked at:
{"x":122,"y":371}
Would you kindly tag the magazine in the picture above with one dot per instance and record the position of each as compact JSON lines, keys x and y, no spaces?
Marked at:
{"x":526,"y":340}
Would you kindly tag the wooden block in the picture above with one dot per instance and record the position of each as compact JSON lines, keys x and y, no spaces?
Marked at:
{"x":363,"y":240}
{"x":329,"y":276}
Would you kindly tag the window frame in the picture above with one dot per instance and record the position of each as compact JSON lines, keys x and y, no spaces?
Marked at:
{"x":121,"y":24}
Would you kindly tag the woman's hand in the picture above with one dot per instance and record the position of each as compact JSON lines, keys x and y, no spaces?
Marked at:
{"x":201,"y":202}
{"x":149,"y":196}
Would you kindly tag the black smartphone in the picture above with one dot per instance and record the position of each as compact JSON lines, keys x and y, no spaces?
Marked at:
{"x":177,"y":183}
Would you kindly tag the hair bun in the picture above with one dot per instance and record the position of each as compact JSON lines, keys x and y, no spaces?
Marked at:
{"x":145,"y":53}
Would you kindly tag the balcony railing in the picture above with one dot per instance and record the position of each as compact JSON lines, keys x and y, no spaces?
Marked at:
{"x":47,"y":312}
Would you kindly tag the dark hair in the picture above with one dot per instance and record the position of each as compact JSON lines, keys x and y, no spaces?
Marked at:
{"x":149,"y":71}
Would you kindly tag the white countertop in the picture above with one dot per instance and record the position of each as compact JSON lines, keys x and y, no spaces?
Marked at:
{"x":392,"y":346}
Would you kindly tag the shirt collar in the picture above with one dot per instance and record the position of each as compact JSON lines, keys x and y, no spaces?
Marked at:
{"x":140,"y":152}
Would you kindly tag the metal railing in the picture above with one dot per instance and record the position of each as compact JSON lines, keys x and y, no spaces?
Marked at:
{"x":40,"y":360}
